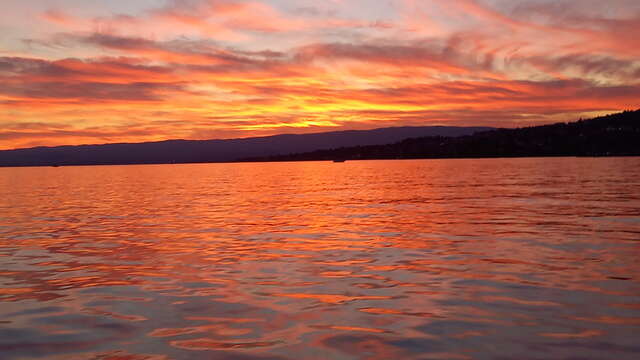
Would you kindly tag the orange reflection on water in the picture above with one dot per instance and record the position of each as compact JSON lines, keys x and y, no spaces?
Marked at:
{"x":361,"y":260}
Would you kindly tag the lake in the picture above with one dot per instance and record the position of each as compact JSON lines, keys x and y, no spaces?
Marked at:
{"x":420,"y":259}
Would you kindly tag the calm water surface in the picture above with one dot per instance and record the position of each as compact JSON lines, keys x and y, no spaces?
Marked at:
{"x":428,"y":259}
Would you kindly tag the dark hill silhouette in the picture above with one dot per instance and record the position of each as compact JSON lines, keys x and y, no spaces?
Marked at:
{"x":198,"y":151}
{"x":611,"y":135}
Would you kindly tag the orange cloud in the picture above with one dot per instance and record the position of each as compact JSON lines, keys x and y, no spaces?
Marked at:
{"x":198,"y":69}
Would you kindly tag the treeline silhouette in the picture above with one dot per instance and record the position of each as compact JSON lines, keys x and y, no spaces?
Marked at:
{"x":611,"y":135}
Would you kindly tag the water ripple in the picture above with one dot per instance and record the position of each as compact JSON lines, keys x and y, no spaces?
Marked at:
{"x":426,"y":259}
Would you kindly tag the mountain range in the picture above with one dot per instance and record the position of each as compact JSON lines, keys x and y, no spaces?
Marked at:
{"x":611,"y":135}
{"x":226,"y":150}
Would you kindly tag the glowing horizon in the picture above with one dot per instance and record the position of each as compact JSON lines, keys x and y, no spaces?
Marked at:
{"x":89,"y":71}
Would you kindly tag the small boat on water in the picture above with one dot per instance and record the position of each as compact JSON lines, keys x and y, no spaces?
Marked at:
{"x":339,"y":160}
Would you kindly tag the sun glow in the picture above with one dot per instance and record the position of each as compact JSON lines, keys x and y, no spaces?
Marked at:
{"x":220,"y":69}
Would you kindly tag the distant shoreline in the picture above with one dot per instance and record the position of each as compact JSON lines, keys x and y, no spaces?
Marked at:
{"x":616,"y":135}
{"x":325,"y":161}
{"x":611,"y":135}
{"x":217,"y":150}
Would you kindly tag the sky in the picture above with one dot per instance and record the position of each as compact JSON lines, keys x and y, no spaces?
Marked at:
{"x":97,"y":71}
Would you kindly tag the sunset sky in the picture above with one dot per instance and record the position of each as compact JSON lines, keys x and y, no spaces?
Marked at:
{"x":97,"y":71}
